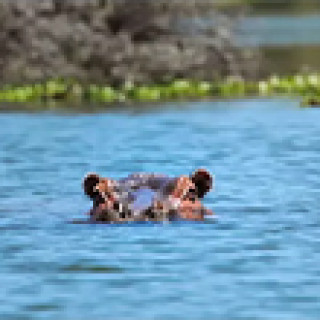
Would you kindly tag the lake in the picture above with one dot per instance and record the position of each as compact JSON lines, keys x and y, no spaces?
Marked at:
{"x":288,"y":43}
{"x":258,"y":259}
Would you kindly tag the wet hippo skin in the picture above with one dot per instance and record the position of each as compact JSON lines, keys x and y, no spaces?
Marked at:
{"x":148,"y":197}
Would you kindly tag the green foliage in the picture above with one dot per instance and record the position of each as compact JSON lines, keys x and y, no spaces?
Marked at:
{"x":306,"y":86}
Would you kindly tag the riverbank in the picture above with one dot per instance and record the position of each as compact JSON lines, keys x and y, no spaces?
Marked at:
{"x":113,"y":52}
{"x":306,"y":86}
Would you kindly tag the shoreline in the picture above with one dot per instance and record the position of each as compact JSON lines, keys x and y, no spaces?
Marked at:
{"x":62,"y":92}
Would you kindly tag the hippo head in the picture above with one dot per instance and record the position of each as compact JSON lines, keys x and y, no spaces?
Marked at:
{"x":144,"y":197}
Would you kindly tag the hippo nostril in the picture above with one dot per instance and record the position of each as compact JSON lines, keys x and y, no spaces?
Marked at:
{"x":116,"y":206}
{"x":150,"y":214}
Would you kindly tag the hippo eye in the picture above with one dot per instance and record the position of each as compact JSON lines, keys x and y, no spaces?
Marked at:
{"x":191,"y":194}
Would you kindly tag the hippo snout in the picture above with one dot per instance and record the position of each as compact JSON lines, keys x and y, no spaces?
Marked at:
{"x":148,"y":197}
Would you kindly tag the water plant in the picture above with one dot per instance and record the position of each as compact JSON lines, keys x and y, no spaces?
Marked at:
{"x":306,"y":86}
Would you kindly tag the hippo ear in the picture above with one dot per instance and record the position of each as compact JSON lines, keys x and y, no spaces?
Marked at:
{"x":203,"y":182}
{"x":89,"y":183}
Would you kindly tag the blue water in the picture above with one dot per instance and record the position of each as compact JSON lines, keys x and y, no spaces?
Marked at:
{"x":280,"y":30}
{"x":259,"y":259}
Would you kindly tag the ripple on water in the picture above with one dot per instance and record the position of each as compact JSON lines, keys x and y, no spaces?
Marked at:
{"x":77,"y":268}
{"x":259,"y":259}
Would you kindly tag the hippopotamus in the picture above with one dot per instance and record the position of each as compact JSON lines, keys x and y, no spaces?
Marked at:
{"x":148,"y":197}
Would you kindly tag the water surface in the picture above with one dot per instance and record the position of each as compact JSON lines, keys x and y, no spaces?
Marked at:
{"x":288,"y":43}
{"x":258,"y":260}
{"x":280,"y":29}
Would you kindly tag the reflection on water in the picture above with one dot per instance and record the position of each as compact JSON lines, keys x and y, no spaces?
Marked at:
{"x":258,"y":260}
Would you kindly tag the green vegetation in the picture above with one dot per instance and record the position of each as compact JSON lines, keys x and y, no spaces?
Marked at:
{"x":306,"y":86}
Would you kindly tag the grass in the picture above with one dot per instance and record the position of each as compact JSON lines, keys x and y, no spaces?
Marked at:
{"x":306,"y":86}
